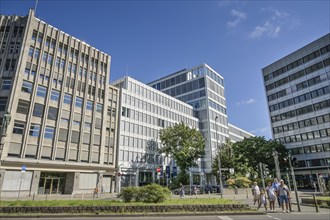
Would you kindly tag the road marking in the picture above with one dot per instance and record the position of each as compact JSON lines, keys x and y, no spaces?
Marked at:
{"x":225,"y":218}
{"x":269,"y":216}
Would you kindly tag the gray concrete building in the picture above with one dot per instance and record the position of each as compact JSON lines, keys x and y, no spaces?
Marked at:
{"x":58,"y":110}
{"x":298,"y":94}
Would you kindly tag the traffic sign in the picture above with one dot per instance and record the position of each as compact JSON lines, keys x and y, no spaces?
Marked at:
{"x":23,"y":168}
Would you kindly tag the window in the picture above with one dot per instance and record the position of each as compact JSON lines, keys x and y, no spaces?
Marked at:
{"x":3,"y":103}
{"x":18,"y":127}
{"x":23,"y":106}
{"x":55,"y":95}
{"x":89,"y":105}
{"x":67,"y":99}
{"x":88,"y":126}
{"x":27,"y":87}
{"x":52,"y":113}
{"x":99,"y":107}
{"x":79,"y":102}
{"x":6,"y":84}
{"x":49,"y":132}
{"x":34,"y":130}
{"x":38,"y":110}
{"x":42,"y":91}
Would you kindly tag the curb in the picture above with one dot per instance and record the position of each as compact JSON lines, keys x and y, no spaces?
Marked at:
{"x":135,"y":215}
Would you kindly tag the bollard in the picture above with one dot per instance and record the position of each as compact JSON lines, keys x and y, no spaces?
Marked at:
{"x":247,"y":194}
{"x":316,"y":205}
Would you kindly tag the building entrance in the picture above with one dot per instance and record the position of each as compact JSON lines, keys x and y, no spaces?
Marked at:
{"x":51,"y":183}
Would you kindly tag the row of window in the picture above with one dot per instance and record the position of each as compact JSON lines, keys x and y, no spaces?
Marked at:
{"x":10,"y":64}
{"x":17,"y":32}
{"x":311,"y":149}
{"x":301,"y":98}
{"x":34,"y":130}
{"x":131,"y":156}
{"x":134,"y":142}
{"x":55,"y":96}
{"x":63,"y":49}
{"x":301,"y":111}
{"x":299,"y":74}
{"x":186,"y":87}
{"x":303,"y":123}
{"x":153,"y":97}
{"x":305,"y":136}
{"x":298,"y":62}
{"x":142,"y":117}
{"x":14,"y":47}
{"x":314,"y":163}
{"x":302,"y":85}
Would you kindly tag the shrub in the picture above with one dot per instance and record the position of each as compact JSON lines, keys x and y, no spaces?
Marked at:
{"x":153,"y":193}
{"x":128,"y":194}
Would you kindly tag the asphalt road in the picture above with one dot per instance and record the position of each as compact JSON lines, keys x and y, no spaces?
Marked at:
{"x":277,"y":216}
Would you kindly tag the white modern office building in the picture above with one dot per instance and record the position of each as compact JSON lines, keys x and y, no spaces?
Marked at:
{"x":298,"y":94}
{"x":58,"y":110}
{"x":203,"y":88}
{"x":144,"y":112}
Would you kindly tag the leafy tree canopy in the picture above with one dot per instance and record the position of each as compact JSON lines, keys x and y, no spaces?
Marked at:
{"x":245,"y":156}
{"x":184,"y":144}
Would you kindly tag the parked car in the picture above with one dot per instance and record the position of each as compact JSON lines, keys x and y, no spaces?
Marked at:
{"x":187,"y":190}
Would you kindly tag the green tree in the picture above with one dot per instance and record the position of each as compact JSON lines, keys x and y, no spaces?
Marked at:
{"x":184,"y":144}
{"x":251,"y":151}
{"x":229,"y":160}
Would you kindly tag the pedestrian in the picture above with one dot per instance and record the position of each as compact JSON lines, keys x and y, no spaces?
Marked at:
{"x":181,"y":190}
{"x":275,"y":186}
{"x":284,"y":194}
{"x":195,"y":190}
{"x":255,"y":193}
{"x":314,"y":186}
{"x":96,"y":192}
{"x":263,"y":200}
{"x":271,"y":193}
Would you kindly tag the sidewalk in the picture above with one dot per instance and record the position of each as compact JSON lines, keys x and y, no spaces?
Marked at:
{"x":304,"y":208}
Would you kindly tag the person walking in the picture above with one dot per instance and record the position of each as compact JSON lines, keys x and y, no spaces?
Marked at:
{"x":275,"y":185}
{"x":271,"y":193}
{"x":181,"y":190}
{"x":263,"y":200}
{"x":255,"y":193}
{"x":284,"y":194}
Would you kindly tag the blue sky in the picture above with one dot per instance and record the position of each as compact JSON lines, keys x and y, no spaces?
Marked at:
{"x":150,"y":39}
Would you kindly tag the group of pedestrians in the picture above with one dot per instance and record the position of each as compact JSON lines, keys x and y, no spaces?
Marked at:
{"x":274,"y":191}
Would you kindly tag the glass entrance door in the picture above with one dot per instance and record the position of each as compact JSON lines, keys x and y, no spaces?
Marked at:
{"x":51,"y":183}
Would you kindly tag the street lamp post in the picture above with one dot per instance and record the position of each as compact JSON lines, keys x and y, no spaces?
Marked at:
{"x":219,"y":160}
{"x":277,"y":166}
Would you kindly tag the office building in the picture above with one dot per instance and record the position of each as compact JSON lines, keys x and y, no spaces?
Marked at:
{"x":58,"y":110}
{"x":203,"y":88}
{"x":144,"y":112}
{"x":298,"y":94}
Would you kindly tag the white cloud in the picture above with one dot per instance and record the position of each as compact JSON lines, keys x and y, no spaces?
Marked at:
{"x":274,"y":24}
{"x":238,"y":17}
{"x":268,"y":29}
{"x":246,"y":102}
{"x":261,"y":131}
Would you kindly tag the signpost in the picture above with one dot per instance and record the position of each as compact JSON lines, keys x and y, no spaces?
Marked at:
{"x":20,"y":180}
